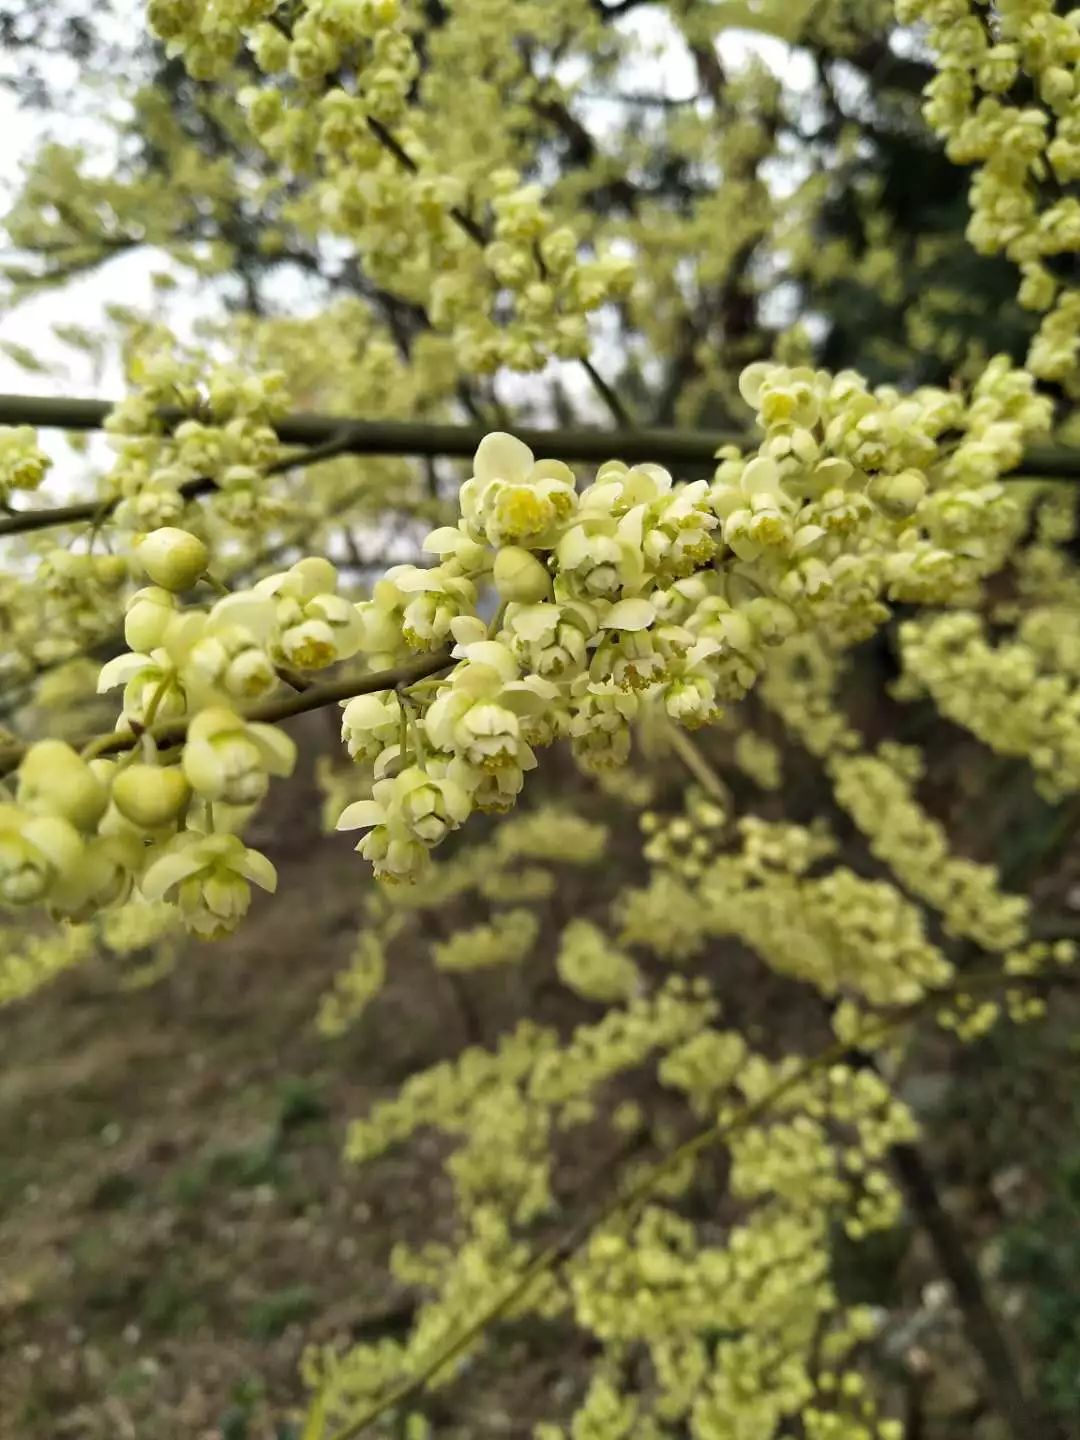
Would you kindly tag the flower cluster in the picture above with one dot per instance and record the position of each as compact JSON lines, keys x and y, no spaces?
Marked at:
{"x":228,"y":439}
{"x":23,"y":464}
{"x":636,"y":593}
{"x":590,"y":965}
{"x":1001,"y":693}
{"x":1005,"y":99}
{"x":337,"y":100}
{"x":507,"y":940}
{"x":878,"y":791}
{"x":841,"y":933}
{"x":85,"y":830}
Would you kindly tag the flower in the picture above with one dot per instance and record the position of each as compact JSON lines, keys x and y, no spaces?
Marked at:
{"x":152,"y":683}
{"x":550,"y":640}
{"x":232,"y":655}
{"x":371,"y":722}
{"x":426,"y":805}
{"x":440,"y":598}
{"x":514,"y":499}
{"x":208,"y":875}
{"x":600,"y":557}
{"x":316,"y":626}
{"x":36,"y":853}
{"x":22,"y":463}
{"x":478,"y":714}
{"x":231,"y":759}
{"x":755,"y":510}
{"x":458,"y":552}
{"x":407,"y":815}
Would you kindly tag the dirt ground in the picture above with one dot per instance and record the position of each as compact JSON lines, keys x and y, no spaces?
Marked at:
{"x":174,"y":1213}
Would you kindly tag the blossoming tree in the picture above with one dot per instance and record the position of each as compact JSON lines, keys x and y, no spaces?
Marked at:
{"x":733,"y":410}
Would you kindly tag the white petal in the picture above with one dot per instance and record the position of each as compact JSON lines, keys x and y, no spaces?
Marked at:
{"x":361,"y":815}
{"x":120,"y":670}
{"x":254,"y":866}
{"x":467,"y":630}
{"x":414,"y":579}
{"x":458,"y":801}
{"x":629,"y":615}
{"x":502,"y":457}
{"x":247,"y":611}
{"x":383,"y":762}
{"x":494,"y":655}
{"x":276,"y":748}
{"x":57,"y":840}
{"x":761,"y":477}
{"x":170,"y":870}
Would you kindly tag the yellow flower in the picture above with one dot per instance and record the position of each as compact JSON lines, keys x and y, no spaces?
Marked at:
{"x":207,"y":876}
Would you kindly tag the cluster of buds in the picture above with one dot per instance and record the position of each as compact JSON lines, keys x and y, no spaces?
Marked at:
{"x":83,"y":832}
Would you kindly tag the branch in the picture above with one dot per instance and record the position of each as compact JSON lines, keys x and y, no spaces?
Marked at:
{"x":331,"y":436}
{"x":419,"y":438}
{"x":21,"y":522}
{"x":313,"y":698}
{"x":984,"y":1334}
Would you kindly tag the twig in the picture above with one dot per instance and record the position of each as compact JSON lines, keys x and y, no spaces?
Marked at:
{"x":22,"y":522}
{"x":314,"y":697}
{"x":984,"y":1334}
{"x":330,"y":436}
{"x":696,"y":764}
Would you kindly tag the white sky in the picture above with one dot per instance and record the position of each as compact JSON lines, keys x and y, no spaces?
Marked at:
{"x":128,"y":279}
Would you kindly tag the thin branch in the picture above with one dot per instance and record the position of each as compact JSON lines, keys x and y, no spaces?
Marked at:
{"x":21,"y":522}
{"x":691,"y":757}
{"x":390,"y":142}
{"x":272,"y":711}
{"x":984,"y":1334}
{"x":331,"y":436}
{"x":608,"y":395}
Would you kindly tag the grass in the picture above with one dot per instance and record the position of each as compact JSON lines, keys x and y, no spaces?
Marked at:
{"x":271,"y":1316}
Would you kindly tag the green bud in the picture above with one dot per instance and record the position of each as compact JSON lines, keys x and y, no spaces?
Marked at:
{"x":149,"y":614}
{"x":898,"y":495}
{"x":54,"y":780}
{"x":519,"y":575}
{"x":111,"y":571}
{"x":151,"y":795}
{"x":173,"y":558}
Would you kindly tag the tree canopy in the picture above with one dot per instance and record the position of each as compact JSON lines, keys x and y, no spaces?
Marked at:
{"x":672,"y":391}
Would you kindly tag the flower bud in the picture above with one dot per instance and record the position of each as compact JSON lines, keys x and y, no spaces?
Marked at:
{"x":519,"y":575}
{"x":173,"y":558}
{"x":151,"y":795}
{"x":54,"y":780}
{"x":149,"y":614}
{"x":110,"y":571}
{"x":249,"y":676}
{"x":898,"y":495}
